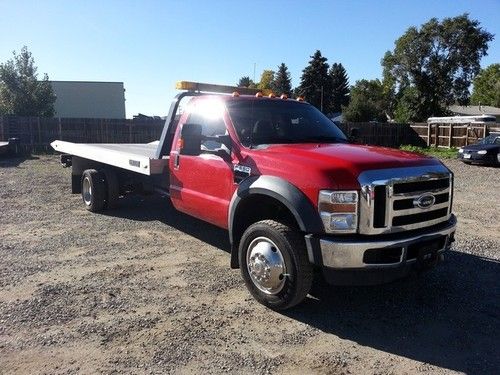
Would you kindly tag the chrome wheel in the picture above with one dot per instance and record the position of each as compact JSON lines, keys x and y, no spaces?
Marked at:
{"x":266,"y":265}
{"x":87,"y":191}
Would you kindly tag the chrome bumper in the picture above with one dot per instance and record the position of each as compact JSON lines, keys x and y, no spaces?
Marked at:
{"x":349,"y":254}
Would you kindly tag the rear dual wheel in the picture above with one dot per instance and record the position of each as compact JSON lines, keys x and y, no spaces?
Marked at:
{"x":100,"y":189}
{"x":93,"y":190}
{"x":274,"y":264}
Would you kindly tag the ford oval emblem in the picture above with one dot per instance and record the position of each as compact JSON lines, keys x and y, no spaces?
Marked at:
{"x":424,"y":201}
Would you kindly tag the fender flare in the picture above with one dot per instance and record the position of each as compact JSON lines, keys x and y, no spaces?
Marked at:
{"x":289,"y":195}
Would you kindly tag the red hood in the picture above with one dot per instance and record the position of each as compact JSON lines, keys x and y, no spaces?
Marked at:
{"x":356,"y":157}
{"x":337,"y":165}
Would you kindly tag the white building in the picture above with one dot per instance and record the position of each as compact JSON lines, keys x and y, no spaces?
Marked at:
{"x":475,"y":110}
{"x":89,"y":99}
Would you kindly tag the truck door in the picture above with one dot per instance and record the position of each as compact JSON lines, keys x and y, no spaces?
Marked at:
{"x":202,"y":185}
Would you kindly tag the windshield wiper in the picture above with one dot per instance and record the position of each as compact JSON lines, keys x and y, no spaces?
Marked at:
{"x":323,"y":139}
{"x":316,"y":139}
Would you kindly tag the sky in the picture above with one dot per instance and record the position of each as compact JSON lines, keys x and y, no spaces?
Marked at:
{"x":149,"y":45}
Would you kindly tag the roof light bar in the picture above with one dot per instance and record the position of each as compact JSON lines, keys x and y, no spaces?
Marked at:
{"x":220,"y":89}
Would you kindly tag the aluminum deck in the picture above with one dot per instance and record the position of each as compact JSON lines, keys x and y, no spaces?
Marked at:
{"x":4,"y":147}
{"x":135,"y":157}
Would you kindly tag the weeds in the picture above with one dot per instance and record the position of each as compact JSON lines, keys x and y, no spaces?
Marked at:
{"x":442,"y":153}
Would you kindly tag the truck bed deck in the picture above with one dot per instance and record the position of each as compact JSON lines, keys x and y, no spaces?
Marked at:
{"x":4,"y":148}
{"x":135,"y":157}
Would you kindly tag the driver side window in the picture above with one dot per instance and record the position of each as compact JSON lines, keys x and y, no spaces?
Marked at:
{"x":212,"y":124}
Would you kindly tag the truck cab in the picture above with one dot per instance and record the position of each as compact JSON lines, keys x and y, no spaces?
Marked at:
{"x":294,"y":194}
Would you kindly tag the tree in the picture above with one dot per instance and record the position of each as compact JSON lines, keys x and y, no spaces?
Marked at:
{"x":407,"y":107}
{"x":340,"y":87}
{"x":282,"y":83}
{"x":245,"y":81}
{"x":439,"y":60}
{"x":266,"y":80}
{"x":315,"y":83}
{"x":487,"y":87}
{"x":368,"y":102}
{"x":21,"y":93}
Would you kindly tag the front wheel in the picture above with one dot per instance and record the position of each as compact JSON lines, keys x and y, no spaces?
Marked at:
{"x":274,"y":264}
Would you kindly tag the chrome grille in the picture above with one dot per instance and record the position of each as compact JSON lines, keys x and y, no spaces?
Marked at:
{"x":389,"y":197}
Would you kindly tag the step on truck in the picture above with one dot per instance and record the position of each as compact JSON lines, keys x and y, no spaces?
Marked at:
{"x":294,"y":194}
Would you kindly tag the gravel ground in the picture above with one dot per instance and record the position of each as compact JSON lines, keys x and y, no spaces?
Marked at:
{"x":145,"y":289}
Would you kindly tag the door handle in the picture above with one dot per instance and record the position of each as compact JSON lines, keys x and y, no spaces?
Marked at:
{"x":176,"y":161}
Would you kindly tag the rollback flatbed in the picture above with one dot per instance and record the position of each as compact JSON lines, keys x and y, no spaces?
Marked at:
{"x":134,"y":157}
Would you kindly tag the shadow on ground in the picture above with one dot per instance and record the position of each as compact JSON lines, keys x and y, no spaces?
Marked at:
{"x":484,"y":166}
{"x":12,"y":161}
{"x":151,"y":208}
{"x":447,"y":317}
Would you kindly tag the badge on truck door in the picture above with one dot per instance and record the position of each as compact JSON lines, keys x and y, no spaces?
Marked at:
{"x":241,"y":172}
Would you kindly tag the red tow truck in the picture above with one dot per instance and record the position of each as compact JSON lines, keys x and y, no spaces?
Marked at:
{"x":294,"y":194}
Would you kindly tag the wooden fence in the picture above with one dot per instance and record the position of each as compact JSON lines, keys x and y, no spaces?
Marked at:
{"x":36,"y":133}
{"x":384,"y":134}
{"x":453,"y":135}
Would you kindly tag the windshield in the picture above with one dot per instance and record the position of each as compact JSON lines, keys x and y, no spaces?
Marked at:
{"x":264,"y":121}
{"x":489,"y":140}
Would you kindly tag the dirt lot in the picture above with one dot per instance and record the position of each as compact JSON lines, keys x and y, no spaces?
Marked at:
{"x":144,"y":289}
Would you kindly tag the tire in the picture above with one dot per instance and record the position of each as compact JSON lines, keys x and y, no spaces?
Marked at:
{"x":112,"y":188}
{"x":274,"y":264}
{"x":93,"y":190}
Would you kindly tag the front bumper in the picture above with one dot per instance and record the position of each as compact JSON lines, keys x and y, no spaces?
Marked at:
{"x":476,"y":158}
{"x":345,"y":261}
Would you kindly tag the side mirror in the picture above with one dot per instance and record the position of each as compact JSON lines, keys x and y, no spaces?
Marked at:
{"x":191,"y":139}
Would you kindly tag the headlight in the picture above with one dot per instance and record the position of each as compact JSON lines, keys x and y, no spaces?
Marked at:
{"x":460,"y":150}
{"x":482,"y":152}
{"x":339,"y":211}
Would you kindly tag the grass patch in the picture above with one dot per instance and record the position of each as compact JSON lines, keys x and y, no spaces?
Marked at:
{"x":443,"y":153}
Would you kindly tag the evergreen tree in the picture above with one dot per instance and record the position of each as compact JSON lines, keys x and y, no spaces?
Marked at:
{"x":21,"y":93}
{"x":315,"y":83}
{"x":245,"y":81}
{"x":340,"y":87}
{"x":282,"y":83}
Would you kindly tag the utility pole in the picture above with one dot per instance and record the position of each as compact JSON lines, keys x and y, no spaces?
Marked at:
{"x":254,"y":66}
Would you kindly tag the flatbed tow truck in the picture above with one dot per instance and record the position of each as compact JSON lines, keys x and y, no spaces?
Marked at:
{"x":294,"y":194}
